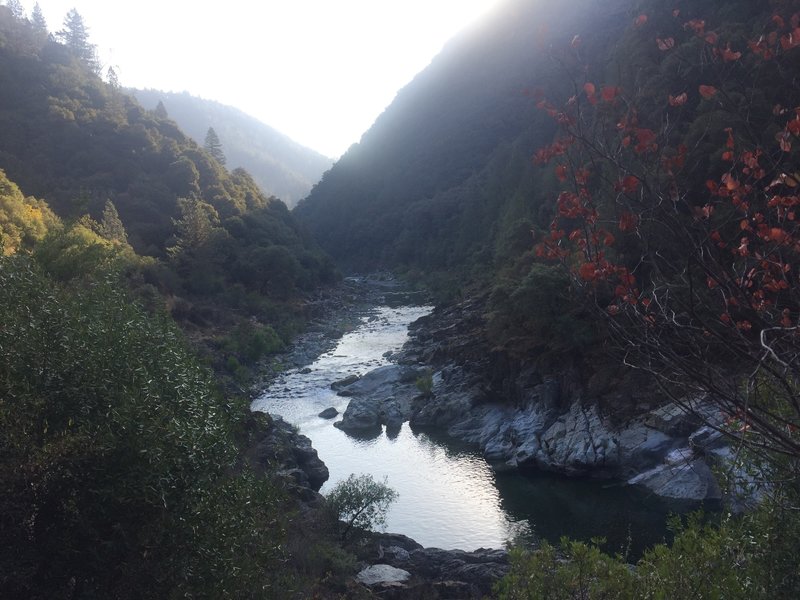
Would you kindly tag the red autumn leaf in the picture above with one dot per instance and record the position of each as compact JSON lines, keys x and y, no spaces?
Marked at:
{"x":731,"y":183}
{"x":696,"y":25}
{"x":712,"y":38}
{"x":608,"y":240}
{"x":729,"y":143}
{"x":707,"y":91}
{"x":588,"y":272}
{"x":779,"y":22}
{"x":728,"y":155}
{"x":665,"y":44}
{"x":561,"y":172}
{"x":779,"y":235}
{"x":629,"y":184}
{"x":640,"y":20}
{"x":678,"y":100}
{"x":613,"y":309}
{"x":589,"y":88}
{"x":609,"y":92}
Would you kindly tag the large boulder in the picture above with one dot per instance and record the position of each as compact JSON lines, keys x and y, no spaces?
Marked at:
{"x":382,"y":574}
{"x":361,"y":415}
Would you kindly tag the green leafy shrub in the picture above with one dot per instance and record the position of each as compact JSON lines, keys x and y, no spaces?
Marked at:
{"x":752,"y":557}
{"x":360,"y":502}
{"x":117,"y":457}
{"x":424,"y":383}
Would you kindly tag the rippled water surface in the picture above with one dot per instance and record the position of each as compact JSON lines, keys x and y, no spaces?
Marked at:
{"x":448,"y":496}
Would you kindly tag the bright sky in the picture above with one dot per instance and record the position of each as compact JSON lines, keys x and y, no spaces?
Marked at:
{"x":320,"y":71}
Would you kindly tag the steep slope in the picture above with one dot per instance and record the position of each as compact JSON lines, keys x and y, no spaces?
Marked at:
{"x":94,"y":154}
{"x":280,"y":166}
{"x":443,"y":178}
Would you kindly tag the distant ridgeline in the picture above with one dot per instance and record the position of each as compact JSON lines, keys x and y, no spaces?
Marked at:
{"x":70,"y":138}
{"x":279,"y":165}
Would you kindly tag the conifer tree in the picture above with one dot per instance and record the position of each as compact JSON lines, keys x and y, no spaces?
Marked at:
{"x":213,"y":146}
{"x":113,"y":80}
{"x":111,"y":226}
{"x":38,"y":21}
{"x":75,"y":36}
{"x":161,"y":111}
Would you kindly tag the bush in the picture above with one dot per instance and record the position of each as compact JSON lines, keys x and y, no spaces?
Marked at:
{"x":750,"y":557}
{"x":424,"y":383}
{"x":117,"y":455}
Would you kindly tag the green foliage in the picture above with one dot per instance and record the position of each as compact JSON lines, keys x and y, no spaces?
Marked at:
{"x":280,"y":166}
{"x":23,"y":221}
{"x":251,"y":341}
{"x":751,"y":556}
{"x":111,"y":226}
{"x":576,"y":570}
{"x":360,"y":503}
{"x":424,"y":383}
{"x":117,"y":454}
{"x":542,"y":310}
{"x":66,"y":135}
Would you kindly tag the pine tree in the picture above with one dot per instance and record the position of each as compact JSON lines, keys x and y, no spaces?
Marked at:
{"x":75,"y":36}
{"x":213,"y":146}
{"x":38,"y":21}
{"x":113,"y":80}
{"x":111,"y":226}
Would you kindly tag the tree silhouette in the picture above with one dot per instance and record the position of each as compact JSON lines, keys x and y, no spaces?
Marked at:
{"x":161,"y":111}
{"x":75,"y":36}
{"x":38,"y":21}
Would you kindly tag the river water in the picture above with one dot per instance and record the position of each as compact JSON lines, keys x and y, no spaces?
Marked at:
{"x":449,"y":497}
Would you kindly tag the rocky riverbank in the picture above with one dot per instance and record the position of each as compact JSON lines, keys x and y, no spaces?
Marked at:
{"x":610,"y":425}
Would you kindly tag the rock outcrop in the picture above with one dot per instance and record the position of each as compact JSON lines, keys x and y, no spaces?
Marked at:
{"x":433,"y":572}
{"x":275,"y":444}
{"x":381,"y":397}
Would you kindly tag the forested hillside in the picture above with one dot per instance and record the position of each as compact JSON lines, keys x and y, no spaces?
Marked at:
{"x":93,"y":153}
{"x":443,"y":178}
{"x":280,"y":166}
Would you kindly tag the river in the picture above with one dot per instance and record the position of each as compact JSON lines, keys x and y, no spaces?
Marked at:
{"x":449,"y":497}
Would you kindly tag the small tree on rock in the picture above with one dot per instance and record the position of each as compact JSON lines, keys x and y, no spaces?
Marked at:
{"x":360,"y":502}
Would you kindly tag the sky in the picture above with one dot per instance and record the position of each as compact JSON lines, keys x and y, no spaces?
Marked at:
{"x":320,"y":71}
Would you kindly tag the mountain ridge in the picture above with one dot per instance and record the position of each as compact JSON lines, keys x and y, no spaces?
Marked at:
{"x":280,"y":166}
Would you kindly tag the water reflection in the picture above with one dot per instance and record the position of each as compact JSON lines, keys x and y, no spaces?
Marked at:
{"x":448,"y":496}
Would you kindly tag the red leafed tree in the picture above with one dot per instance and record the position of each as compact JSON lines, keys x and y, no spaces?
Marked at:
{"x":680,"y":213}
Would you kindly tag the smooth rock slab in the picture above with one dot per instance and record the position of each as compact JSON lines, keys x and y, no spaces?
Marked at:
{"x":380,"y":574}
